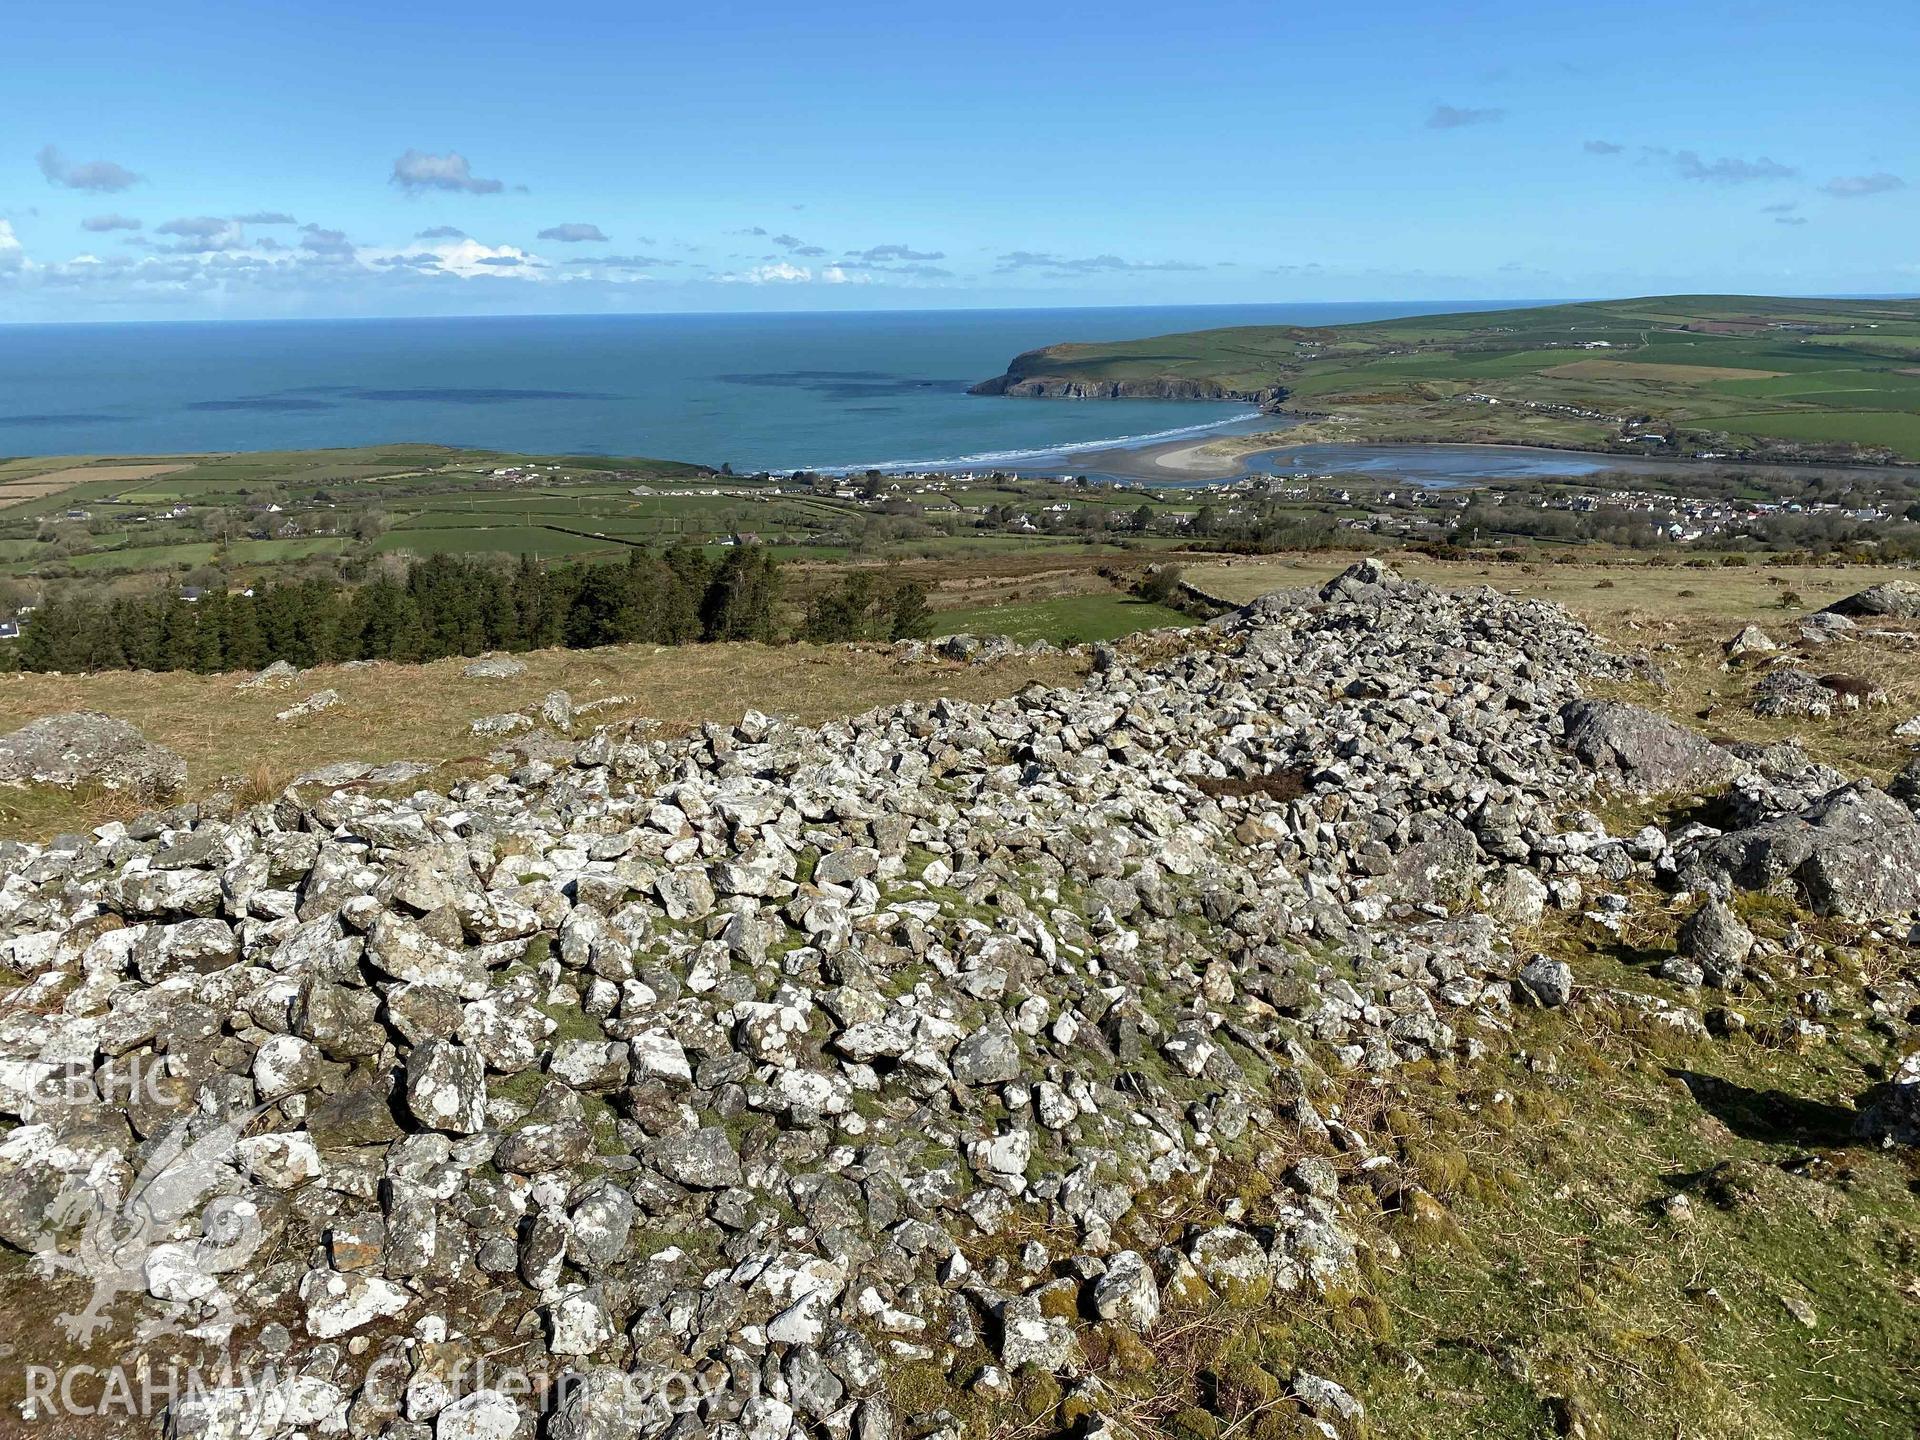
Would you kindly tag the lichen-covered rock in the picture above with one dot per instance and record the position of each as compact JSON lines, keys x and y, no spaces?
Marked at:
{"x":1547,"y":981}
{"x":494,"y":667}
{"x":703,"y":1158}
{"x":1127,"y":1292}
{"x":1031,"y":1338}
{"x":1642,"y":751}
{"x":1784,"y":693}
{"x":989,"y":1056}
{"x":280,"y":672}
{"x":1854,"y":853}
{"x":1749,"y":641}
{"x":312,"y":705}
{"x":1892,"y":1113}
{"x":1714,"y":938}
{"x":84,"y":747}
{"x":447,"y":1087}
{"x":1233,"y":1264}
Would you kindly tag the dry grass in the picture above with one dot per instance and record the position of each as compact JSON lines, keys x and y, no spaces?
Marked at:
{"x":229,"y":736}
{"x":970,"y":581}
{"x":1640,"y":595}
{"x":1703,"y":694}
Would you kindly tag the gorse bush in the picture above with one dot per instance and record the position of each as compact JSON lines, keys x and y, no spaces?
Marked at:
{"x":1160,"y":585}
{"x":862,"y":608}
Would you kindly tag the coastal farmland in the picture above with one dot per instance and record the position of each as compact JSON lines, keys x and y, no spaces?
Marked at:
{"x":1740,"y":376}
{"x":246,"y":515}
{"x":24,"y":481}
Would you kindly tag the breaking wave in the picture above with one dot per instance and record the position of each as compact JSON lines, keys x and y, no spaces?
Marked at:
{"x":1038,"y":453}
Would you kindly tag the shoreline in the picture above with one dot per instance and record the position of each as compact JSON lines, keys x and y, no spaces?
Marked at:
{"x":1212,"y":459}
{"x":1185,"y":461}
{"x":1200,"y":455}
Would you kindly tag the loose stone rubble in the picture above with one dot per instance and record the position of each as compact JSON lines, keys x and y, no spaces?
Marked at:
{"x":279,"y":673}
{"x":716,"y":1079}
{"x":312,"y":705}
{"x":494,"y":667}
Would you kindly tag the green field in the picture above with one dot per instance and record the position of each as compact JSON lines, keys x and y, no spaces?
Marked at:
{"x":1742,"y":375}
{"x":1069,"y":619}
{"x":1893,"y":429}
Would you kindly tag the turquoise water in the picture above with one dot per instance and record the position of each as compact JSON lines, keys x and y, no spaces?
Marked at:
{"x":755,"y":391}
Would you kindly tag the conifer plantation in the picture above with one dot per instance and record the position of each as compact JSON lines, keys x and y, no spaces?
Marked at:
{"x":441,"y":606}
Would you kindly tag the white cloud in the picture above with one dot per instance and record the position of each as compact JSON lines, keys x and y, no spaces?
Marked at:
{"x":884,"y":254}
{"x":573,"y":232}
{"x":466,"y":258}
{"x":1852,"y":187}
{"x":331,"y":245}
{"x":1458,"y":117}
{"x":1727,"y":170}
{"x":13,"y":255}
{"x":781,"y":272}
{"x":199,"y":232}
{"x":1087,"y":264}
{"x":86,"y":175}
{"x":622,"y":267}
{"x":417,"y":170}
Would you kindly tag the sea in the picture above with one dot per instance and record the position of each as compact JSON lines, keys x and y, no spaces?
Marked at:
{"x":824,"y":391}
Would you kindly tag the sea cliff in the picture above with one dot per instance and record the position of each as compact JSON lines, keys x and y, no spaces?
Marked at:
{"x":1038,"y":374}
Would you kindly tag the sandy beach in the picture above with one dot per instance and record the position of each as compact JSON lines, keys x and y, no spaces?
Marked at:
{"x":1213,"y":457}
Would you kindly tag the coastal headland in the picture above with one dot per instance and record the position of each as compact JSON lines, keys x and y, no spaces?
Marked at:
{"x":1716,"y":377}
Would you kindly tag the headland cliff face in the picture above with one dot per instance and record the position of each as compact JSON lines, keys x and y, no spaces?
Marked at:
{"x":1036,"y":375}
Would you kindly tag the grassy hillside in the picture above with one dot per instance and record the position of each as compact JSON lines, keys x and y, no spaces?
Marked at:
{"x":1746,"y":374}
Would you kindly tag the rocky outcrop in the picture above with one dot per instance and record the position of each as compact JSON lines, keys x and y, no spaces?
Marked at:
{"x":1784,"y":693}
{"x":1853,"y":852}
{"x":494,"y":667}
{"x":84,"y":747}
{"x":1891,"y":1115}
{"x":1750,"y":640}
{"x":312,"y":705}
{"x":1892,"y":599}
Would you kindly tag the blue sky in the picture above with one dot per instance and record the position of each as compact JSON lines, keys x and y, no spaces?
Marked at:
{"x":201,"y":159}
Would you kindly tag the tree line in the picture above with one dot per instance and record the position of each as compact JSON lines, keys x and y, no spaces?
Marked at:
{"x":432,"y":608}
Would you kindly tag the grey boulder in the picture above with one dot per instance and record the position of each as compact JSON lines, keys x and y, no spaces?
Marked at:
{"x":1894,"y":599}
{"x":84,"y":747}
{"x":1636,"y":749}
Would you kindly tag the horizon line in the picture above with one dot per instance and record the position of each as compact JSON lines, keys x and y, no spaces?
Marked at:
{"x":1515,"y":303}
